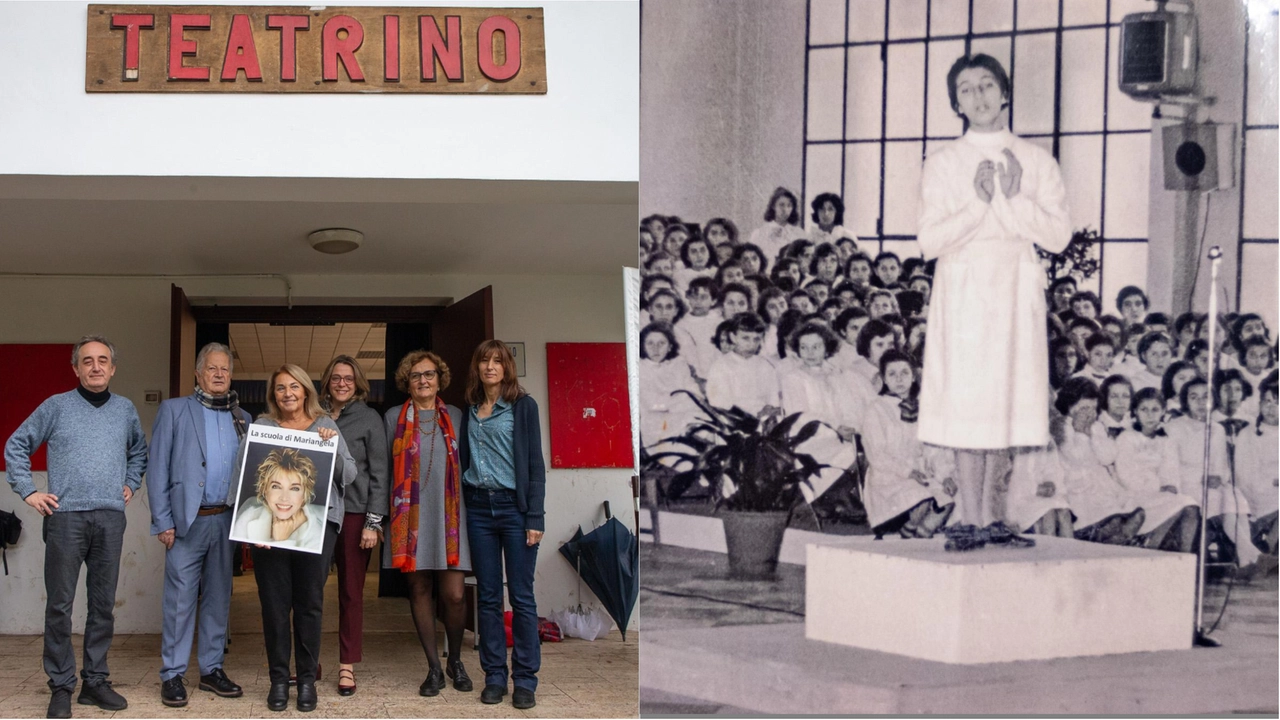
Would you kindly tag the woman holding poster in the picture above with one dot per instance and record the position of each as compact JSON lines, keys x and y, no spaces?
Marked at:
{"x":987,"y":200}
{"x":291,"y":582}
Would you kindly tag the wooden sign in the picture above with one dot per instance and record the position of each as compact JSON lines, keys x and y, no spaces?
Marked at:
{"x":176,"y":48}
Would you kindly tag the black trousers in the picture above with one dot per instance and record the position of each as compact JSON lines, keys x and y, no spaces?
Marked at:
{"x":291,"y":582}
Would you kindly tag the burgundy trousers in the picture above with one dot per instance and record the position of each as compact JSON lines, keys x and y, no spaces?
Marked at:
{"x":353,"y":563}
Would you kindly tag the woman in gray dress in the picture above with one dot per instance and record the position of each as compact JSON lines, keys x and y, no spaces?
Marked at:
{"x":428,"y":521}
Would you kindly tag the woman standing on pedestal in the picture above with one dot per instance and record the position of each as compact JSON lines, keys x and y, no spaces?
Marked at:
{"x":987,"y":200}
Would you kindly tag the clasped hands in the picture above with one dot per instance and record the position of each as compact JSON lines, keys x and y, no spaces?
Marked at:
{"x":1009,"y":173}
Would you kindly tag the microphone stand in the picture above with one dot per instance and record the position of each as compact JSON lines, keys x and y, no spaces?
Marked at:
{"x":1200,"y":637}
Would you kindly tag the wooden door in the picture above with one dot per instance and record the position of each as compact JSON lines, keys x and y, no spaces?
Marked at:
{"x":182,"y":344}
{"x":456,"y":333}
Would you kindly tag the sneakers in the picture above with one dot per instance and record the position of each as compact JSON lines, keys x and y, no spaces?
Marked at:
{"x":461,"y":682}
{"x":60,"y":703}
{"x":523,"y":699}
{"x":434,"y":683}
{"x":492,"y":694}
{"x":101,"y":694}
{"x":219,"y":684}
{"x":173,"y":692}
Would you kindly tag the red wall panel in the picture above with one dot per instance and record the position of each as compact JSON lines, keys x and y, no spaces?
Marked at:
{"x":589,"y":408}
{"x":30,"y":374}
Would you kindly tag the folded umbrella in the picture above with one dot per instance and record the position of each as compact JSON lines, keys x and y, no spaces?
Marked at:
{"x":608,"y":561}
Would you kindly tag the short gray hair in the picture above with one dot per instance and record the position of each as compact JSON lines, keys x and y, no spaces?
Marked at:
{"x":75,"y":351}
{"x":214,"y":347}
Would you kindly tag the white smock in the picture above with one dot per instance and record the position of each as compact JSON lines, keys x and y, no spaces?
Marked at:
{"x":1143,"y":466}
{"x":985,"y":381}
{"x":1032,"y":467}
{"x":1187,"y":434}
{"x":825,"y":394}
{"x":665,"y":413}
{"x":1256,"y":468}
{"x":1091,"y":488}
{"x":893,"y":451}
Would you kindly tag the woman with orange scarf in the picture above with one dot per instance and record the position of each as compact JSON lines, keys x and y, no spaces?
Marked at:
{"x":428,"y":520}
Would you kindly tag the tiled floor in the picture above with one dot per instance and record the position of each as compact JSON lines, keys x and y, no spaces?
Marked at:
{"x":578,"y":678}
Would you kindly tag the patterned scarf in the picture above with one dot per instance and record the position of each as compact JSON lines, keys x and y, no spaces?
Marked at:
{"x":406,"y":454}
{"x":224,"y":403}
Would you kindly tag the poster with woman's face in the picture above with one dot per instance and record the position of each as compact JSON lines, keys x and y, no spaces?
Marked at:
{"x":284,"y":489}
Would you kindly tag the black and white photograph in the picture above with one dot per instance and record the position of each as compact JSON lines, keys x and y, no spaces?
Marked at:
{"x":958,"y":357}
{"x":285,"y":483}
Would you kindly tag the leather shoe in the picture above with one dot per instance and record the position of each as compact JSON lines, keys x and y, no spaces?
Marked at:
{"x":278,"y":696}
{"x":306,"y":696}
{"x":461,"y":681}
{"x":60,"y":703}
{"x":346,"y":690}
{"x":219,"y":684}
{"x":173,"y":693}
{"x":523,"y":698}
{"x":493,"y":694}
{"x":101,"y":694}
{"x":434,"y":683}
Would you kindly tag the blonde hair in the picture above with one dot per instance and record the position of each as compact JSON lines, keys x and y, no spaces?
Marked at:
{"x":311,"y":406}
{"x":415,"y":357}
{"x":362,"y":383}
{"x":291,"y":461}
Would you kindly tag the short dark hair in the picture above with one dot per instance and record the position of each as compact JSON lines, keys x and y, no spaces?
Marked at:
{"x":765,"y":296}
{"x":681,"y":308}
{"x":1091,"y":297}
{"x":748,"y":322}
{"x":647,"y":283}
{"x":658,"y":256}
{"x":1150,"y":339}
{"x":1073,"y":391}
{"x":1166,"y":383}
{"x":889,"y":255}
{"x":1222,"y":377}
{"x":1184,"y":320}
{"x":725,"y":268}
{"x":727,"y":224}
{"x":829,"y":340}
{"x":1105,"y":388}
{"x":848,"y":315}
{"x":1194,"y":348}
{"x":822,"y":251}
{"x":872,"y":330}
{"x":981,"y":60}
{"x":689,"y":242}
{"x":702,"y":281}
{"x":1129,"y":291}
{"x":1059,"y":282}
{"x":893,"y":355}
{"x":1157,"y":318}
{"x":1085,"y":323}
{"x":733,"y":287}
{"x":1143,"y":395}
{"x":745,"y":248}
{"x":824,"y":198}
{"x":665,"y":329}
{"x":1096,"y":339}
{"x":781,"y":192}
{"x":1183,"y":395}
{"x":1268,"y":386}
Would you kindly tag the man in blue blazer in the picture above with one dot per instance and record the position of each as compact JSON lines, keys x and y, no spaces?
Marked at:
{"x":193,"y":452}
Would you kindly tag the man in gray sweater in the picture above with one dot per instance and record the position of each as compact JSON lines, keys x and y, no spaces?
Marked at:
{"x":97,"y":456}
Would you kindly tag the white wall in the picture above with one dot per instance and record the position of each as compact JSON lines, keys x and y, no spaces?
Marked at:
{"x":584,"y":128}
{"x":134,"y":313}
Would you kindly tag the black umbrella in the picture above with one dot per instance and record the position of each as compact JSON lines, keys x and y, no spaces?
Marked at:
{"x":608,"y":560}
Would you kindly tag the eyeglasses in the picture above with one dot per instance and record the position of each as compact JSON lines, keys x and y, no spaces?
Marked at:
{"x":428,"y":375}
{"x":342,"y":380}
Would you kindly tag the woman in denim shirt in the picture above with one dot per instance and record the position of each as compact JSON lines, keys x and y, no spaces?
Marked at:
{"x":503,"y":485}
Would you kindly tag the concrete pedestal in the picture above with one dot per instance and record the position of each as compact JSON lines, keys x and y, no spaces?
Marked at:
{"x":1062,"y":598}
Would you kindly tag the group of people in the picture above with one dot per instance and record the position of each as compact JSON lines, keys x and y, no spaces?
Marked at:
{"x":1027,"y":404}
{"x":446,"y":491}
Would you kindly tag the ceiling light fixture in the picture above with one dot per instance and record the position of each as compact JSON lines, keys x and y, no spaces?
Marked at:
{"x":335,"y":241}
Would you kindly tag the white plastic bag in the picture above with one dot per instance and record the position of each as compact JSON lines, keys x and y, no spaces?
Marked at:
{"x":582,"y":623}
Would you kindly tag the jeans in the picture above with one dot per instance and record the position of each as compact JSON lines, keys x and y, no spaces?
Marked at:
{"x":292,"y":582}
{"x":495,"y":527}
{"x":93,"y":538}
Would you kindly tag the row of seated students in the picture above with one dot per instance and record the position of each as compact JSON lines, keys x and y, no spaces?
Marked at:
{"x":824,"y":337}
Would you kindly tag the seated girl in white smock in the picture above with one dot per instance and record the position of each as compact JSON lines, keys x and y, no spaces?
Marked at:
{"x":1147,"y":466}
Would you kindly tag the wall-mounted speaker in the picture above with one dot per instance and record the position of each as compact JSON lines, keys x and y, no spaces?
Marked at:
{"x":1199,"y":156}
{"x":1158,"y":54}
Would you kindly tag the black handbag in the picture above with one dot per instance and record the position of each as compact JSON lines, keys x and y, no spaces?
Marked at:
{"x":10,"y":530}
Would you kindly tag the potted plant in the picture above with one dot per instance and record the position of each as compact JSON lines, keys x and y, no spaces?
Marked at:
{"x":756,"y":471}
